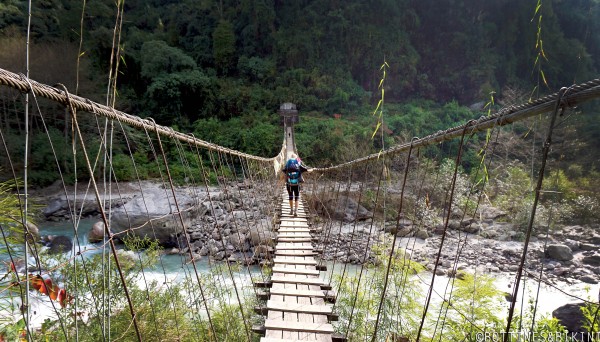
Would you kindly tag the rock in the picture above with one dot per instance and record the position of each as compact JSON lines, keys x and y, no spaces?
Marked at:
{"x":404,"y":231}
{"x":491,"y":213}
{"x":574,"y":245}
{"x":59,"y":244}
{"x":33,"y":231}
{"x":593,"y":260}
{"x":588,"y":279}
{"x":157,"y":205}
{"x":595,"y":239}
{"x":472,"y":228}
{"x":55,"y":205}
{"x":172,"y":251}
{"x":587,"y":247}
{"x":241,"y":258}
{"x":261,"y":234}
{"x":570,"y":316}
{"x":345,"y":209}
{"x":454,"y":224}
{"x":422,"y":234}
{"x":220,"y":256}
{"x":238,"y":241}
{"x":559,"y":252}
{"x":96,"y":234}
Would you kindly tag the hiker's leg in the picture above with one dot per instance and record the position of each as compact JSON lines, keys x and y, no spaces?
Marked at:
{"x":290,"y":198}
{"x":296,"y":198}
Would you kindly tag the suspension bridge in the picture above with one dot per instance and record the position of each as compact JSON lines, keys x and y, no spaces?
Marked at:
{"x":295,"y":294}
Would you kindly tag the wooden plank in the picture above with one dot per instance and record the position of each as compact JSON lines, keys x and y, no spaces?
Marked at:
{"x":293,"y":270}
{"x":293,"y":244}
{"x":293,"y":235}
{"x":299,"y":307}
{"x":299,"y":326}
{"x":296,"y":261}
{"x":297,"y":280}
{"x":298,"y":293}
{"x":323,"y":337}
{"x":304,"y":317}
{"x":293,"y":248}
{"x":296,"y":253}
{"x":294,"y":230}
{"x":295,"y":239}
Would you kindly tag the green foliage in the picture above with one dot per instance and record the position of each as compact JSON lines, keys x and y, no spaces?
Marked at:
{"x":472,"y":308}
{"x":224,"y":46}
{"x":591,"y":315}
{"x":400,"y":311}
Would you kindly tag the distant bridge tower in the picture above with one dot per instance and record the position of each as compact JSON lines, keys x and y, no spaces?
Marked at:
{"x":289,"y":116}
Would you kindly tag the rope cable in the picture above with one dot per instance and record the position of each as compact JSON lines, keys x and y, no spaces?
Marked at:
{"x":545,"y":152}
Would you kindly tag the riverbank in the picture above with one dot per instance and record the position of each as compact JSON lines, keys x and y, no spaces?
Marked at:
{"x":234,"y":223}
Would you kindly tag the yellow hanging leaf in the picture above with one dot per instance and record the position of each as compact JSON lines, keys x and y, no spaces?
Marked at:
{"x":378,"y":105}
{"x":544,"y":78}
{"x":376,"y":129}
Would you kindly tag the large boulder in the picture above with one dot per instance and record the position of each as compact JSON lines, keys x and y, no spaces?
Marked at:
{"x":346,"y":209}
{"x":96,"y":234}
{"x":570,"y":316}
{"x":593,"y":260}
{"x":59,"y":244}
{"x":261,"y":234}
{"x":559,"y":252}
{"x":155,"y":215}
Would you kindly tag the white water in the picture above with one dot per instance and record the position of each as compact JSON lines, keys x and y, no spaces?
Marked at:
{"x":173,"y":269}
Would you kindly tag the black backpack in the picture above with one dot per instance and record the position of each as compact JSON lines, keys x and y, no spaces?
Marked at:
{"x":292,"y":168}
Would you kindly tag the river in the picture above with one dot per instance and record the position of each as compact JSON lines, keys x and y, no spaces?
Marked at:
{"x":175,"y":268}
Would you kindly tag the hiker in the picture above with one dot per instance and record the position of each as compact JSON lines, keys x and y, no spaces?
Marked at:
{"x":293,"y":177}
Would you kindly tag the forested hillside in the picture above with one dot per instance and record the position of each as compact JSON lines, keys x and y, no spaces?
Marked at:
{"x":196,"y":63}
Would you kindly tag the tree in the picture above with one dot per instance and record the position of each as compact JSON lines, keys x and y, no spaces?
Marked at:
{"x":224,"y":47}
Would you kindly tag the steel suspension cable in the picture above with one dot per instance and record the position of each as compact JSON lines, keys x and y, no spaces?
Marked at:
{"x":448,"y":210}
{"x":387,"y":273}
{"x":366,"y":250}
{"x":172,"y":187}
{"x":105,"y":220}
{"x":540,"y":180}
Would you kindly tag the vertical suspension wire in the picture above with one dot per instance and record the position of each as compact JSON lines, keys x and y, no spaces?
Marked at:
{"x":10,"y":254}
{"x":398,"y":217}
{"x":338,"y":243}
{"x":362,"y":268}
{"x":235,"y":287}
{"x":110,"y":101}
{"x":166,"y":281}
{"x":217,"y":270}
{"x":191,"y":177}
{"x":538,"y":188}
{"x":221,"y":181}
{"x":172,"y":187}
{"x":104,"y":218}
{"x":25,"y":179}
{"x":247,"y":222}
{"x":447,"y":219}
{"x":460,"y":246}
{"x":248,"y":174}
{"x":353,"y":234}
{"x":70,"y":206}
{"x":441,"y":320}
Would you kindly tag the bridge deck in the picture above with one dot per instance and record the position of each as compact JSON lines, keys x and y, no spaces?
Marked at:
{"x":296,"y":309}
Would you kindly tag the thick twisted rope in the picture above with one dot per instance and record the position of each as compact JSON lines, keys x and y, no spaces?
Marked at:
{"x":20,"y":83}
{"x":506,"y":116}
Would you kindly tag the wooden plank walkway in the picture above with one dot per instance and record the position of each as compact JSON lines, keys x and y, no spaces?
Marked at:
{"x":297,"y":308}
